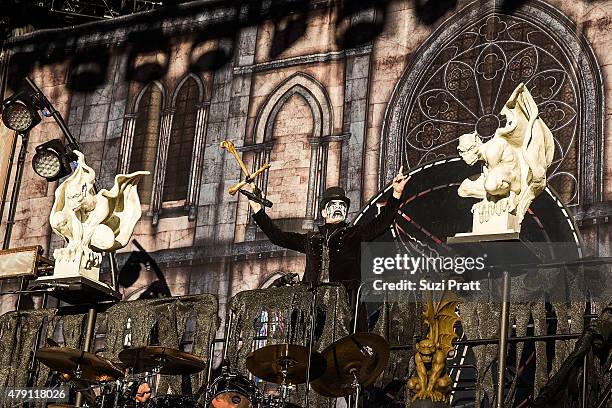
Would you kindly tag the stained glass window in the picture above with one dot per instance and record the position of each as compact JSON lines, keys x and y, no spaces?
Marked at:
{"x":471,"y":77}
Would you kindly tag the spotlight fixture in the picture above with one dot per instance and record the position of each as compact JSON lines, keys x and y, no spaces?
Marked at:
{"x":52,"y":160}
{"x":20,"y":111}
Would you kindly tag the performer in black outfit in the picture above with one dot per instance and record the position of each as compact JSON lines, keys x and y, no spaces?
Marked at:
{"x":333,"y":253}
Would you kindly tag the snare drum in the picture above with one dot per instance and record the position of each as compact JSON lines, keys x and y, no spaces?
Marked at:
{"x":232,"y":391}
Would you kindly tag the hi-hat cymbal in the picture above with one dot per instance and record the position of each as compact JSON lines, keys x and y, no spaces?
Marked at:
{"x":167,"y":360}
{"x":361,"y":355}
{"x":269,"y":362}
{"x":68,"y":361}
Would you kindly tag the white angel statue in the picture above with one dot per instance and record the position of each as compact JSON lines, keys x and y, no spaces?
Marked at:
{"x":515,"y":160}
{"x":92,"y":223}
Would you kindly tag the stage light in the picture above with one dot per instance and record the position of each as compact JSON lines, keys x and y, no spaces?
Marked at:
{"x":52,"y":160}
{"x":20,"y":112}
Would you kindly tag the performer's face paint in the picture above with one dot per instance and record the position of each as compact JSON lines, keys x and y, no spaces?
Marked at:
{"x":335,"y":211}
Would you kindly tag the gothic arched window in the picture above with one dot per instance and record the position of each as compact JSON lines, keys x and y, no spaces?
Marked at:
{"x":462,"y":75}
{"x":180,"y":148}
{"x":143,"y":154}
{"x":293,"y":131}
{"x":293,"y":126}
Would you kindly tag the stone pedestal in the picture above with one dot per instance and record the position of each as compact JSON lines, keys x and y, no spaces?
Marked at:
{"x":494,"y":217}
{"x":86,"y":265}
{"x":491,"y":221}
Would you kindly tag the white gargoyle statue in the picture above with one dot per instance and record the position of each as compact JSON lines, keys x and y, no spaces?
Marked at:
{"x":515,"y":163}
{"x":92,"y":223}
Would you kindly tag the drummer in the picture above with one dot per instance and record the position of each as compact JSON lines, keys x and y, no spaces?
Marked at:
{"x":333,"y":253}
{"x":143,"y":394}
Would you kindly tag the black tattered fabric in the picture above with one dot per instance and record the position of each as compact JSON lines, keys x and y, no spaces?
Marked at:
{"x":156,"y":321}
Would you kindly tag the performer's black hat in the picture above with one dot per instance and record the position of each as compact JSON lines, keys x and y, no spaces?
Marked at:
{"x":334,"y":193}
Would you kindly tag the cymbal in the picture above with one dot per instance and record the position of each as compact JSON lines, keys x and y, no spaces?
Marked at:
{"x":363,"y":354}
{"x":268,"y":362}
{"x":168,"y":360}
{"x":67,"y":360}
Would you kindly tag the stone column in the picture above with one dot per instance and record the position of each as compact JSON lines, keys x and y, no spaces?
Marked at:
{"x":317,"y":150}
{"x":127,"y":138}
{"x":160,"y":164}
{"x":332,"y":159}
{"x":197,"y":157}
{"x":261,"y":155}
{"x":227,"y":119}
{"x":355,"y":122}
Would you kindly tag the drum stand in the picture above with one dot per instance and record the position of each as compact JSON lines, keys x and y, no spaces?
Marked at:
{"x":284,"y":363}
{"x":104,"y":392}
{"x":118,"y":391}
{"x":357,"y":387}
{"x":122,"y":385}
{"x":153,"y":377}
{"x":355,"y":384}
{"x":313,"y":322}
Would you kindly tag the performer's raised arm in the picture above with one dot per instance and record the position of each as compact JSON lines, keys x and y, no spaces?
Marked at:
{"x":285,"y":239}
{"x":382,"y":222}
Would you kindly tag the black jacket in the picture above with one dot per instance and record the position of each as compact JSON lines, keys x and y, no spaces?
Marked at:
{"x":344,"y":242}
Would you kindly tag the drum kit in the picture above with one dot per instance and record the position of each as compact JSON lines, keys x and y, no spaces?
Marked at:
{"x":119,"y":382}
{"x":341,"y":370}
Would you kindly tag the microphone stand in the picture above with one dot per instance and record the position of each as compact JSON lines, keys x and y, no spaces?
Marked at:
{"x":355,"y":385}
{"x":313,"y":318}
{"x":225,"y":364}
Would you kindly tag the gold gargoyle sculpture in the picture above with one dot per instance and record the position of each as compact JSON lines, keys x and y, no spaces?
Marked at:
{"x":432,"y":381}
